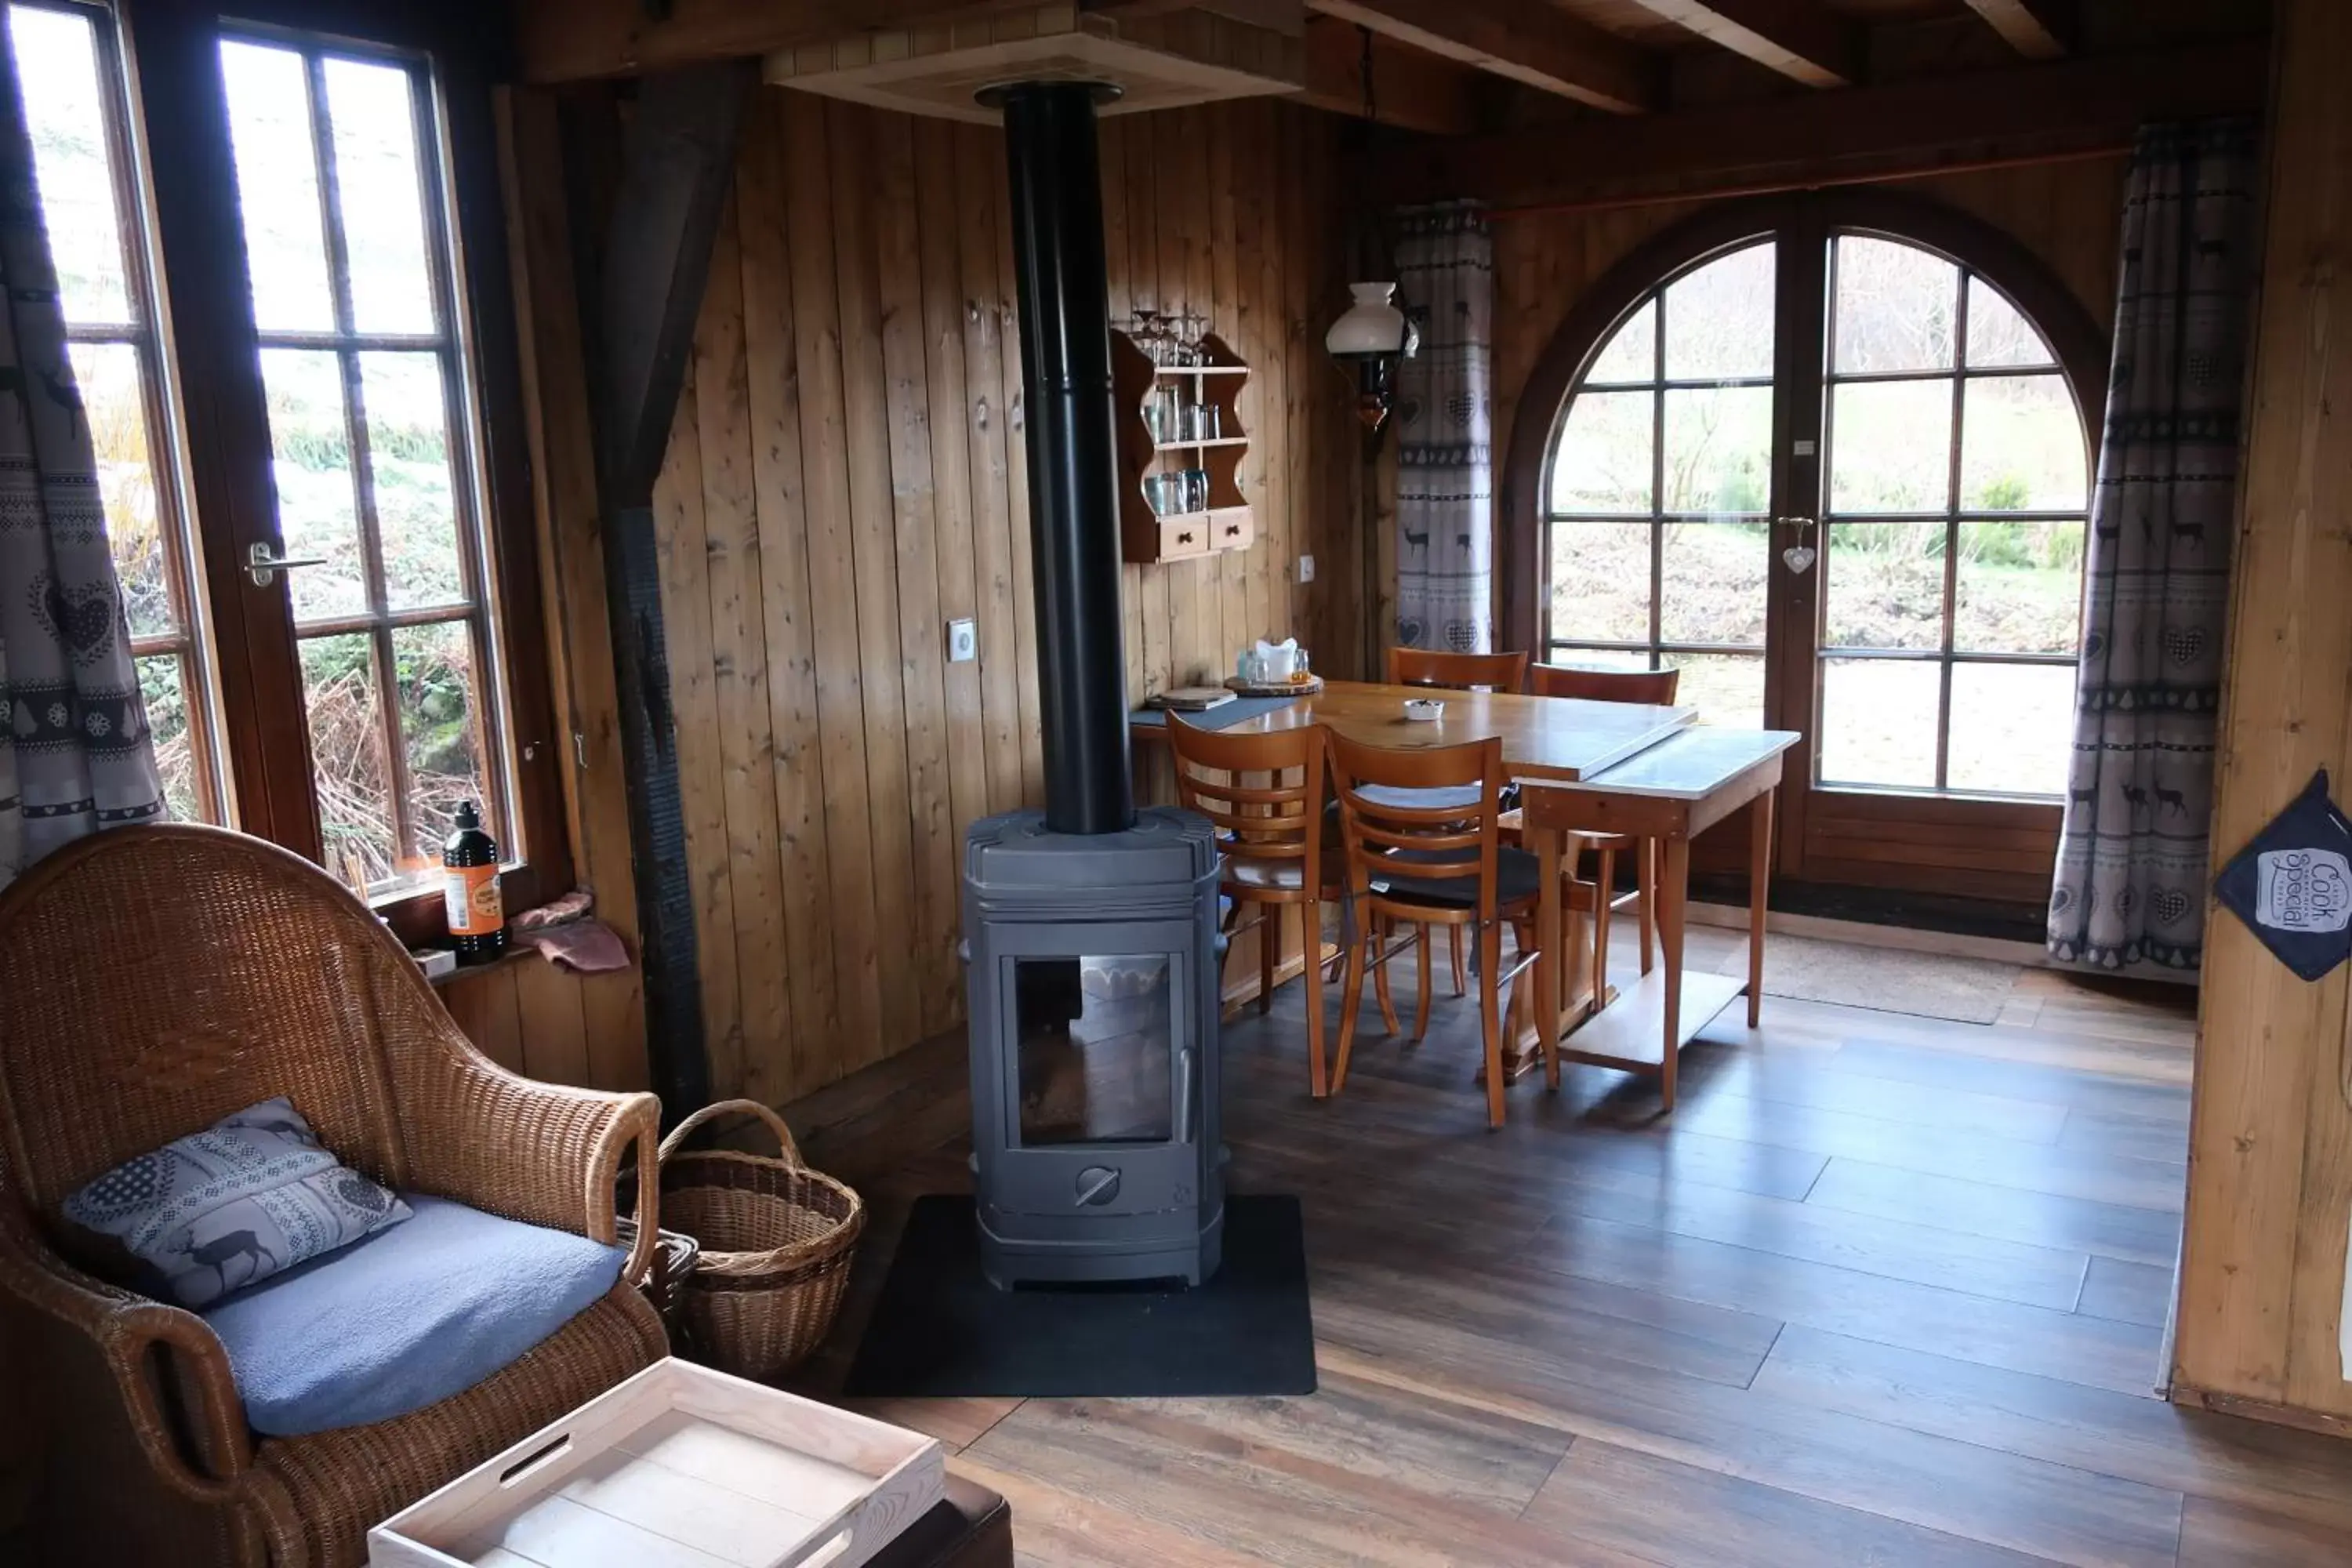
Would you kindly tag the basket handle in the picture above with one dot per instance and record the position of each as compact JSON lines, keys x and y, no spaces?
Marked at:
{"x":679,"y":1133}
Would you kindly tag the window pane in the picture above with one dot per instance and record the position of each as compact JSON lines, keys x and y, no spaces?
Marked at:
{"x":440,"y":730}
{"x":373,"y":117}
{"x":1631,"y":352}
{"x":1711,"y":584}
{"x":1884,"y":585}
{"x":163,"y":682}
{"x":1727,"y":689}
{"x":2013,"y":727}
{"x":1600,"y":581}
{"x":2021,"y":588}
{"x":316,"y":513}
{"x":1603,"y":464}
{"x":1895,"y":306}
{"x":353,"y":764}
{"x":1719,"y":317}
{"x":56,"y":69}
{"x":1890,"y":446}
{"x":278,"y":186}
{"x":1719,"y":449}
{"x":113,"y":399}
{"x":1878,"y":721}
{"x":408,"y":454}
{"x":2021,"y":446}
{"x":1998,"y":333}
{"x":1600,"y":659}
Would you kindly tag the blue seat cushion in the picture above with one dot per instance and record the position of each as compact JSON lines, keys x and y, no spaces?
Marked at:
{"x":406,"y":1318}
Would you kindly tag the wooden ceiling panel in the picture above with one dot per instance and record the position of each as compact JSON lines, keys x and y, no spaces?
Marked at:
{"x":2038,"y":29}
{"x":1529,"y":41}
{"x":1802,"y":39}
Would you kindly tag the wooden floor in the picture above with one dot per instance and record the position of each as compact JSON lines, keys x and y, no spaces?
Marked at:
{"x":1884,"y":1290}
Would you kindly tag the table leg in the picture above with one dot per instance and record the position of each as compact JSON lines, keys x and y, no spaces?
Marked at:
{"x":1549,"y":951}
{"x":1673,"y":887}
{"x":1760,"y":891}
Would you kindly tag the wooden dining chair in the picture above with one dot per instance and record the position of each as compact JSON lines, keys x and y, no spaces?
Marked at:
{"x":1656,"y":688}
{"x":1506,"y":672}
{"x":1429,"y":866}
{"x":1270,"y":833}
{"x":1458,"y":671}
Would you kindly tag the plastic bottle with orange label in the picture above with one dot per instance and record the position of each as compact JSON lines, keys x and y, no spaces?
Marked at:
{"x":478,"y":918}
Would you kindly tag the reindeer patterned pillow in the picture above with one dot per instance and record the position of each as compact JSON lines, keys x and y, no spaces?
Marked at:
{"x":247,"y":1197}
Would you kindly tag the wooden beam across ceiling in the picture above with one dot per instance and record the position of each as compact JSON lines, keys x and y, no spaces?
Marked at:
{"x":1410,"y":91}
{"x":573,"y":40}
{"x":2038,"y":29}
{"x":1802,"y":39}
{"x":1892,"y":131}
{"x":1527,"y":41}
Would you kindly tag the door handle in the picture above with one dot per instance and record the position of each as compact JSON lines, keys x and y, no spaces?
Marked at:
{"x":262,"y":563}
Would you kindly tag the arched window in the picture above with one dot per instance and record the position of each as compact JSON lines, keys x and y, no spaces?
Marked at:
{"x":1926,"y":517}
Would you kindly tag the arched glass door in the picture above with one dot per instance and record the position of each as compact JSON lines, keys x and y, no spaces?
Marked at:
{"x":1840,"y":476}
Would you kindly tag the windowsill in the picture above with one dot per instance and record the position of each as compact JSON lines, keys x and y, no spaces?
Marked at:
{"x":422,"y":919}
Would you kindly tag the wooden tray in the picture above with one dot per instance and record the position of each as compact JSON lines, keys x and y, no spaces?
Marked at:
{"x":680,"y":1467}
{"x":1306,"y":687}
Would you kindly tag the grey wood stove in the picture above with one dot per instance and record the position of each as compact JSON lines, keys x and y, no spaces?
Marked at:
{"x":1091,"y":929}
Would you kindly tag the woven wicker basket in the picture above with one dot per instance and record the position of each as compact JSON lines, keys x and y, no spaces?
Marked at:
{"x":777,"y":1239}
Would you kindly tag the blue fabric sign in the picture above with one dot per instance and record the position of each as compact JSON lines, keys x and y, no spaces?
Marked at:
{"x":2293,"y":884}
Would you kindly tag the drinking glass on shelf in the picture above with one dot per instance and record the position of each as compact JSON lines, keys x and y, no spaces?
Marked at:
{"x":1169,"y":401}
{"x":1196,"y":492}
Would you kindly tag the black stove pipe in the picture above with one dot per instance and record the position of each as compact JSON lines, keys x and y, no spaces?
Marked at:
{"x":1057,"y":254}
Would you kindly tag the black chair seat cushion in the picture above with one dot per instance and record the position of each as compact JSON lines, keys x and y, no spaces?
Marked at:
{"x":1519,"y":877}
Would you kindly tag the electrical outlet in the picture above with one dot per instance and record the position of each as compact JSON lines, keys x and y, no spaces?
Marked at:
{"x":963,"y":641}
{"x":1306,"y":568}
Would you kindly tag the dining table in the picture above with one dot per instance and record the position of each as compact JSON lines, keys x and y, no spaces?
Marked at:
{"x":1583,"y":767}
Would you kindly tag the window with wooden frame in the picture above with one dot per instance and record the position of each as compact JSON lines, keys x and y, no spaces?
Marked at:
{"x":379,"y":505}
{"x":338,"y":641}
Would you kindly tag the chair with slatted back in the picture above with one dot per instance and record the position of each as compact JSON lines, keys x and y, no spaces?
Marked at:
{"x":1264,"y":795}
{"x":1457,"y":672}
{"x":1657,"y":689}
{"x":1431,"y":865}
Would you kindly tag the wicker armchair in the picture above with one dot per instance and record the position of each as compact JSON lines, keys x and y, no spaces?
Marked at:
{"x":155,"y":979}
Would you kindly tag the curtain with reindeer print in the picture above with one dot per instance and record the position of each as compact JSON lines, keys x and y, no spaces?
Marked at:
{"x":2133,"y":858}
{"x":75,"y":754}
{"x":1445,"y":461}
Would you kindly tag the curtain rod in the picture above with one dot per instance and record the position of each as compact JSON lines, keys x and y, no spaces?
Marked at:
{"x":1813,"y":182}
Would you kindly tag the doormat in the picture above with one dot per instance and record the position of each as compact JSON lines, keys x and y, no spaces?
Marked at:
{"x":1888,"y":980}
{"x":942,"y":1330}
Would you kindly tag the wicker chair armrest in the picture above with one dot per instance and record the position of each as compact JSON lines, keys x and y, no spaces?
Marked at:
{"x":547,"y":1154}
{"x":124,"y":1326}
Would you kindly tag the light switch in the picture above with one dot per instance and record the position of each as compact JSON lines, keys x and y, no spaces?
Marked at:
{"x":963,"y":641}
{"x":1306,"y":568}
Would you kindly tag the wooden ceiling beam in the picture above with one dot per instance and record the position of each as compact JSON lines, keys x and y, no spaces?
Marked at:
{"x":1411,"y":91}
{"x":2038,"y":29}
{"x":576,"y":40}
{"x":1802,"y":39}
{"x":1894,"y":131}
{"x":1526,"y":41}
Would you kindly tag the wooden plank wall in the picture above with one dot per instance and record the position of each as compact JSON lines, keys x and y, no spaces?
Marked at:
{"x":846,"y":476}
{"x":2270,"y":1190}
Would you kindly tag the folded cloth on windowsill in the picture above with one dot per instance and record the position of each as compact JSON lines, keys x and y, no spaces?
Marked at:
{"x":565,"y":933}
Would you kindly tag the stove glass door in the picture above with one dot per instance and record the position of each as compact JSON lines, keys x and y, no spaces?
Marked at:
{"x":1096,"y":1039}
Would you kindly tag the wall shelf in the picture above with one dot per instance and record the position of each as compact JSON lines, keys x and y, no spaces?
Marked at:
{"x":1227,"y":523}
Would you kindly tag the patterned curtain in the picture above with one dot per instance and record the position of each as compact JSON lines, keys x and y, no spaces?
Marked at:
{"x":75,"y":754}
{"x":1445,"y":512}
{"x":2132,"y":862}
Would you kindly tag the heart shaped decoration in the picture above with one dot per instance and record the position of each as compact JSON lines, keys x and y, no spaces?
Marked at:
{"x":1800,"y":558}
{"x":2170,"y":904}
{"x":2183,"y":644}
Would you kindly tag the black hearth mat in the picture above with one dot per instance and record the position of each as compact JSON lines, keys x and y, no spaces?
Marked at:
{"x":942,"y":1330}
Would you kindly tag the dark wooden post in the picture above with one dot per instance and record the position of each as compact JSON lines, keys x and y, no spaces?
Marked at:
{"x":640,"y":291}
